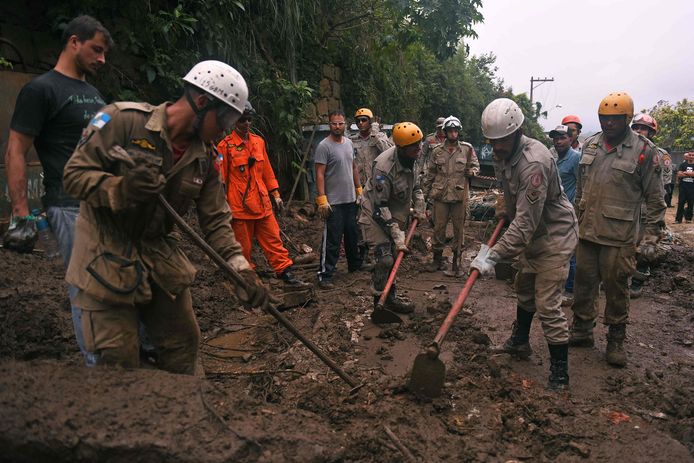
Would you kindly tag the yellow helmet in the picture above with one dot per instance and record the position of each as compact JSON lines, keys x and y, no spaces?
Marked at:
{"x":617,"y":104}
{"x":364,"y":112}
{"x":406,"y":133}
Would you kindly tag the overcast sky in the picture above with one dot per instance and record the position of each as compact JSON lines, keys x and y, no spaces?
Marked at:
{"x":591,"y":48}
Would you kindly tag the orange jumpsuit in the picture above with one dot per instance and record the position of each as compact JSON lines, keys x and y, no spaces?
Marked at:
{"x":248,"y":189}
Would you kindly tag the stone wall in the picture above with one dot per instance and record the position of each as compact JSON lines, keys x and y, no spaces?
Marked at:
{"x":328,"y":95}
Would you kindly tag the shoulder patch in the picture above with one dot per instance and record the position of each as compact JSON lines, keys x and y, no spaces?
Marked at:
{"x":99,"y":120}
{"x":536,"y":179}
{"x":532,"y":195}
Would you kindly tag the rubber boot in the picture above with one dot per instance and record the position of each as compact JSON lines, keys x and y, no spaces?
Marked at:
{"x":436,"y":264}
{"x":518,"y":344}
{"x":559,"y":367}
{"x":581,"y":334}
{"x":456,"y":270}
{"x":614,"y":354}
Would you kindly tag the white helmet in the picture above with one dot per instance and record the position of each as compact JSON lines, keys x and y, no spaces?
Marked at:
{"x":221,"y":81}
{"x":500,"y":118}
{"x":452,"y":122}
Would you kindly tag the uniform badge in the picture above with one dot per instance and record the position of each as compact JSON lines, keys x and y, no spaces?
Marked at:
{"x":536,"y":179}
{"x":379,"y":181}
{"x":100,"y":120}
{"x":143,"y":143}
{"x":532,"y":195}
{"x":239,"y":148}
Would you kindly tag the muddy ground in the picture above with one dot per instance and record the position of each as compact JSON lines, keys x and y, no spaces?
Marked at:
{"x":267,"y":398}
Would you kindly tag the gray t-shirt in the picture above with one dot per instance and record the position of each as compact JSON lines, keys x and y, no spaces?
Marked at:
{"x":338,"y":159}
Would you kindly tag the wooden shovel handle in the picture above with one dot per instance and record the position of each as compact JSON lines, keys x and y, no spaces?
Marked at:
{"x":463,"y":293}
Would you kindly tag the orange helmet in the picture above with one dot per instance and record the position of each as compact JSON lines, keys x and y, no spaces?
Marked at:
{"x":364,"y":112}
{"x":571,"y":118}
{"x":617,"y":104}
{"x":406,"y":133}
{"x":645,"y":119}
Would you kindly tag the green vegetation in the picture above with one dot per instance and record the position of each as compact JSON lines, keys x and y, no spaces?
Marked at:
{"x":675,"y":124}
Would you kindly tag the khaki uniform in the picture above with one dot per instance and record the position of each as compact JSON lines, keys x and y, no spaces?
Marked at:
{"x":613,"y":184}
{"x":430,"y":142}
{"x":387,"y":200}
{"x":367,"y":150}
{"x":543,"y":232}
{"x":447,"y":184}
{"x":128,"y":263}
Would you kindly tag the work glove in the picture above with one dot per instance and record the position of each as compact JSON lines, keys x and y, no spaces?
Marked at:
{"x":21,"y":235}
{"x":142,"y":182}
{"x":485,"y":261}
{"x":324,"y":209}
{"x":398,"y":239}
{"x":360,"y":195}
{"x":277,"y":201}
{"x":256,"y":294}
{"x":648,"y":247}
{"x":419,"y":211}
{"x":500,"y":209}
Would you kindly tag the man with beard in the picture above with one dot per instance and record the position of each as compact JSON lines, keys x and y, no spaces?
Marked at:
{"x":50,"y":113}
{"x":389,"y":197}
{"x":542,"y":232}
{"x":620,"y":171}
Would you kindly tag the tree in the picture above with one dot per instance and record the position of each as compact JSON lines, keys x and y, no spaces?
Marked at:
{"x":675,"y":124}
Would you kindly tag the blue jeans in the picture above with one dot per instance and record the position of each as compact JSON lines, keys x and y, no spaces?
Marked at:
{"x":62,"y":221}
{"x":569,"y":286}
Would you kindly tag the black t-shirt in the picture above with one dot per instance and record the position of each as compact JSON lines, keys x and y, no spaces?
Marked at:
{"x":686,"y":167}
{"x":54,"y":108}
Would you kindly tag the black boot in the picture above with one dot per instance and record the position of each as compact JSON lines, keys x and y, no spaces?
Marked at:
{"x":518,"y":344}
{"x":290,"y":279}
{"x":614,"y":353}
{"x":559,"y":367}
{"x":436,"y":264}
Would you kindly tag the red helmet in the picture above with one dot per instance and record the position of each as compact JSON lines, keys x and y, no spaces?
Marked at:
{"x":645,"y":119}
{"x":572,"y":118}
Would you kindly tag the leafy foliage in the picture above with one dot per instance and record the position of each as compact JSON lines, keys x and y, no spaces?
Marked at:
{"x":675,"y":124}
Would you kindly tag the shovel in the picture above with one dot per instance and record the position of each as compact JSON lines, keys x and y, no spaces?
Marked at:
{"x":428,"y":371}
{"x":239,"y":281}
{"x":381,"y":315}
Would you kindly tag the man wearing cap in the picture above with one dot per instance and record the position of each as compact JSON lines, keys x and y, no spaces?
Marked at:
{"x":619,"y":170}
{"x":430,"y":142}
{"x":574,"y":123}
{"x":390,"y":197}
{"x":128,"y":265}
{"x":368,"y":143}
{"x":542,"y":233}
{"x":567,"y":165}
{"x":252,"y":192}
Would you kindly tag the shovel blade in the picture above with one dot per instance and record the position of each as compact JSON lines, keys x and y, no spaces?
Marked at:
{"x":428,"y":374}
{"x":384,"y":316}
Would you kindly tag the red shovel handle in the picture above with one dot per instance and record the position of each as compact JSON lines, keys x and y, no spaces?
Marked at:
{"x":464,"y":292}
{"x":394,"y":270}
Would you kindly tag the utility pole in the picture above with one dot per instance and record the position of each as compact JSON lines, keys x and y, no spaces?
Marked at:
{"x":532,"y":85}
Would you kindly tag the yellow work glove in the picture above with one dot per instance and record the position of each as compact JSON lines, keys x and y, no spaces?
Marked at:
{"x":359,"y":191}
{"x":277,"y":200}
{"x":324,"y":209}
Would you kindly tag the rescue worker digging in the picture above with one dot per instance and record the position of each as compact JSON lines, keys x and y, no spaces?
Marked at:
{"x":128,"y":263}
{"x":252,"y":189}
{"x":619,"y":171}
{"x":387,"y":206}
{"x":542,"y":232}
{"x":447,"y":185}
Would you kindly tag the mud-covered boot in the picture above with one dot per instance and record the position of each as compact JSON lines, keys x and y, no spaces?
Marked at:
{"x":635,"y":289}
{"x":518,"y":344}
{"x":456,"y":270}
{"x":581,"y":333}
{"x":436,"y":264}
{"x":559,"y":367}
{"x":289,"y":279}
{"x":614,"y":354}
{"x":398,"y":304}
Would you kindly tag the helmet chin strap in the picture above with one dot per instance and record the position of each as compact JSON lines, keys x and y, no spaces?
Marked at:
{"x":200,"y":113}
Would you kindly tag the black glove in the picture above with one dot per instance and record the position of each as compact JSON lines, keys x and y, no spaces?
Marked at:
{"x":22,"y":235}
{"x":256,"y":293}
{"x":142,"y":182}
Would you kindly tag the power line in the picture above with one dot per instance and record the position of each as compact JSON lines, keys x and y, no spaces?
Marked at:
{"x":533,"y":86}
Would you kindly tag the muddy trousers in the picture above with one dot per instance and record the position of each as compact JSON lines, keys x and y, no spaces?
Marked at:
{"x":111,"y":335}
{"x":443,"y":213}
{"x":266,"y":231}
{"x":611,"y":265}
{"x":542,"y":293}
